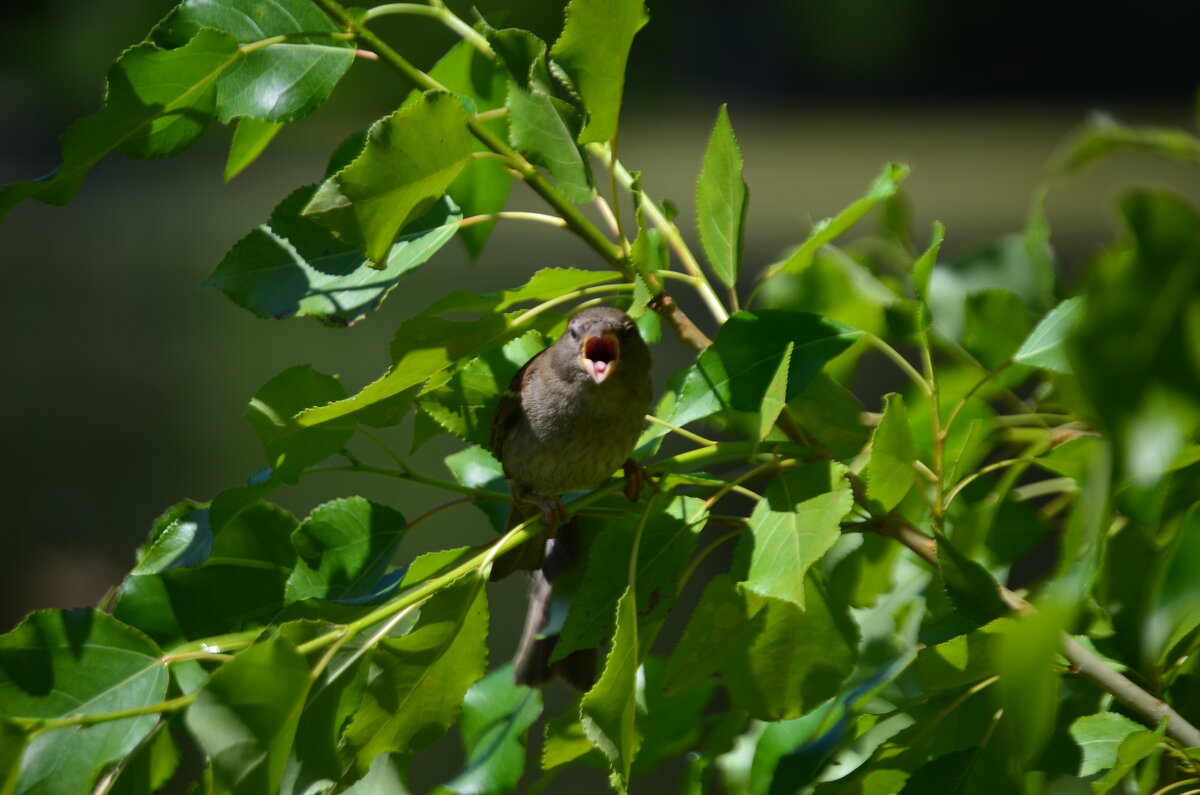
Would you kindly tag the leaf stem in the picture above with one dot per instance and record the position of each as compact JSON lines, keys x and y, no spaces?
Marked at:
{"x":41,"y":725}
{"x":542,"y":218}
{"x":283,"y":38}
{"x":442,"y":14}
{"x":684,"y":432}
{"x":971,"y":478}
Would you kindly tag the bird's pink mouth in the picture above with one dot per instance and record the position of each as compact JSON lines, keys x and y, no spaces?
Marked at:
{"x":600,"y":356}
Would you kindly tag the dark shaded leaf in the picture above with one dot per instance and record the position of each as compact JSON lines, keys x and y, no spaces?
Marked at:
{"x":608,"y":712}
{"x":344,"y":548}
{"x":157,"y":103}
{"x":293,"y":266}
{"x":58,"y":663}
{"x":971,"y":588}
{"x":281,"y":398}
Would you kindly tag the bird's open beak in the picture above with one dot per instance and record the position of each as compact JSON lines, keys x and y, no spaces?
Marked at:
{"x":599,"y":356}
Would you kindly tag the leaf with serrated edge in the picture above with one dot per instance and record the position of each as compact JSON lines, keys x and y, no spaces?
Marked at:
{"x":884,"y":186}
{"x":157,"y":103}
{"x":593,"y":49}
{"x":721,"y":201}
{"x":1098,"y":737}
{"x":410,"y":158}
{"x":796,"y":522}
{"x":775,"y":397}
{"x":890,"y":472}
{"x":344,"y":547}
{"x":608,"y":711}
{"x":417,"y":691}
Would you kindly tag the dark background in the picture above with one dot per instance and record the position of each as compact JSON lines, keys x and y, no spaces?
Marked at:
{"x":124,"y":383}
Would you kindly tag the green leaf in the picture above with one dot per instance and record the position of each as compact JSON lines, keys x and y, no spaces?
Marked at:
{"x":410,"y":158}
{"x":545,"y":284}
{"x":1104,"y":137}
{"x":669,"y":528}
{"x":796,"y":522}
{"x":721,"y":201}
{"x":1174,"y":606}
{"x":484,"y":183}
{"x":543,"y":128}
{"x":497,"y":715}
{"x":274,"y":405}
{"x":971,"y":588}
{"x":477,"y":468}
{"x":964,"y":659}
{"x":246,"y":714}
{"x":1046,"y":345}
{"x":593,"y":49}
{"x":1099,"y":736}
{"x":946,"y":775}
{"x":718,"y":626}
{"x":997,"y":322}
{"x":1133,"y":749}
{"x":157,"y":103}
{"x":775,"y":397}
{"x":670,"y":725}
{"x":884,"y":187}
{"x":388,"y":775}
{"x":890,"y":473}
{"x":291,"y":266}
{"x":344,"y":549}
{"x":420,"y":680}
{"x":923,"y":267}
{"x":466,"y":403}
{"x":565,"y":740}
{"x":427,"y":344}
{"x":59,"y":663}
{"x":798,"y":657}
{"x":278,"y":83}
{"x":832,"y":414}
{"x":1029,"y":686}
{"x":250,"y":139}
{"x":13,"y":740}
{"x":237,"y":584}
{"x":1142,"y":377}
{"x":150,"y":767}
{"x":737,"y":369}
{"x":608,"y":711}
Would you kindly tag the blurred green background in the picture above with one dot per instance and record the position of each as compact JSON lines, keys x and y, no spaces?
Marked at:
{"x":125,"y":384}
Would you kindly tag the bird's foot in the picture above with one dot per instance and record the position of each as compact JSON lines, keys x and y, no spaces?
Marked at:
{"x":637,"y":479}
{"x":554,"y":513}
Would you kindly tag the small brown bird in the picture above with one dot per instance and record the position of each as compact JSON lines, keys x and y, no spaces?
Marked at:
{"x":568,"y":420}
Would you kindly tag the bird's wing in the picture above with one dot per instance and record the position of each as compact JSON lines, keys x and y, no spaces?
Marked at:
{"x":508,"y":410}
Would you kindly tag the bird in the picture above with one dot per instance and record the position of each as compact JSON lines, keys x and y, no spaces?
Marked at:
{"x":567,"y":421}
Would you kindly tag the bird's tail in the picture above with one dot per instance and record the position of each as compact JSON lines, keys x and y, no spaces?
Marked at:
{"x":531,"y":664}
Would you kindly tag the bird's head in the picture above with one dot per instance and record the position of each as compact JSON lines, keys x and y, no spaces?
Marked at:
{"x":598,"y":340}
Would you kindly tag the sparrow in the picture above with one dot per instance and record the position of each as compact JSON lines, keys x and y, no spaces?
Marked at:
{"x":569,"y":419}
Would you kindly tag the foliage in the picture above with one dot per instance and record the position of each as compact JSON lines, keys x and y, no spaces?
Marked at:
{"x":858,"y":638}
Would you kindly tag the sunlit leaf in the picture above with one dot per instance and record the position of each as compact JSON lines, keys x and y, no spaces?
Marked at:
{"x":593,"y":49}
{"x":1045,"y":347}
{"x":421,"y":678}
{"x":796,"y":522}
{"x":344,"y":548}
{"x":721,"y":201}
{"x":608,"y":711}
{"x":1099,"y":736}
{"x":281,"y":398}
{"x":410,"y":158}
{"x":250,"y":139}
{"x":890,"y":471}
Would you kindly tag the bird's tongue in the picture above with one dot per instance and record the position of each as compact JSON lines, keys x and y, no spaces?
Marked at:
{"x":601,"y":355}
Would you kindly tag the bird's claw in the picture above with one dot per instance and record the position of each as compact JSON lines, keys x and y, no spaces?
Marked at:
{"x":637,"y":479}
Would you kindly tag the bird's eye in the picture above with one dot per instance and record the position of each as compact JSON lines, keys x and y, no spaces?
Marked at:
{"x":574,"y":332}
